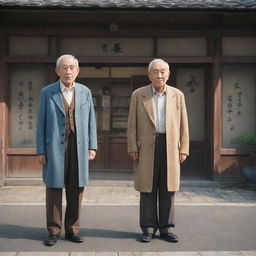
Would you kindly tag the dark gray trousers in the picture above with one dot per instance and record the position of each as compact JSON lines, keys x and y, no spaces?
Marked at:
{"x":151,"y":216}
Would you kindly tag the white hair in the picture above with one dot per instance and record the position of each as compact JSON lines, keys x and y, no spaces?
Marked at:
{"x":157,"y":60}
{"x":65,"y":56}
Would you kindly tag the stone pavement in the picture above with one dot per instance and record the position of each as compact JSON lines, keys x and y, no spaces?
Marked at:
{"x":213,"y":253}
{"x":122,"y":193}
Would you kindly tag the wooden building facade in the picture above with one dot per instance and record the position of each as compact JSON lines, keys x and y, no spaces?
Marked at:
{"x":210,"y":46}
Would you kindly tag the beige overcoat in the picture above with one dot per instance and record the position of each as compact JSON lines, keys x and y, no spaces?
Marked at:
{"x":141,"y":134}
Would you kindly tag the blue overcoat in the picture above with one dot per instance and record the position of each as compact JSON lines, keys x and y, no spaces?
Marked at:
{"x":50,"y":134}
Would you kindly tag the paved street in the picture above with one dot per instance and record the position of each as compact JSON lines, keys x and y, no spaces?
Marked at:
{"x":115,"y":228}
{"x":209,"y":221}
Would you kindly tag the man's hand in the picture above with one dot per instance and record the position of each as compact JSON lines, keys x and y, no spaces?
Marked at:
{"x":91,"y":154}
{"x":134,"y":156}
{"x":42,"y":159}
{"x":182,"y":158}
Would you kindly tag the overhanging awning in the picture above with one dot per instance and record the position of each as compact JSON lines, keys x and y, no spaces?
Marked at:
{"x":132,"y":4}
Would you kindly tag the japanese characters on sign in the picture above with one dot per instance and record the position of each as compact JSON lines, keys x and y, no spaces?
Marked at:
{"x":25,"y":106}
{"x":234,"y":105}
{"x":30,"y":105}
{"x":192,"y":84}
{"x":238,"y":103}
{"x":112,"y":47}
{"x":26,"y":81}
{"x":20,"y":104}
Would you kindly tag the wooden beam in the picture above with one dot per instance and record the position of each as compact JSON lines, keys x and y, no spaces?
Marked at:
{"x":107,"y":60}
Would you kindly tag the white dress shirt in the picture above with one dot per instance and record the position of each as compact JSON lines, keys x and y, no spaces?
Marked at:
{"x":67,"y":92}
{"x":159,"y":100}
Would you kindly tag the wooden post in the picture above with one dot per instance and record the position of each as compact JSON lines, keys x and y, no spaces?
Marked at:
{"x":3,"y":111}
{"x":217,"y":121}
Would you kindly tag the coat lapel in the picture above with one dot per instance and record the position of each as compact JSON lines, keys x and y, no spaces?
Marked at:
{"x":148,"y":104}
{"x":79,"y":98}
{"x":56,"y":95}
{"x":171,"y":101}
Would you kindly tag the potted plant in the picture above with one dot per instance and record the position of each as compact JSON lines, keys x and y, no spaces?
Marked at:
{"x":249,"y":172}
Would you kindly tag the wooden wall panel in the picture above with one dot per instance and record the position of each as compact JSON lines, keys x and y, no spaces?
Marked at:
{"x":23,"y":166}
{"x":230,"y":167}
{"x":118,"y":156}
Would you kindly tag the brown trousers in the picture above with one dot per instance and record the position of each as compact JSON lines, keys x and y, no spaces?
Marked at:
{"x":74,"y":195}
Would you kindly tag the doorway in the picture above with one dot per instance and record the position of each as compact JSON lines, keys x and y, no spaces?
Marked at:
{"x":192,"y":80}
{"x":111,"y":96}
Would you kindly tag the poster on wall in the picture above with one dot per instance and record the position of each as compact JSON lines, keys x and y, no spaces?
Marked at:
{"x":26,"y":82}
{"x":238,"y":103}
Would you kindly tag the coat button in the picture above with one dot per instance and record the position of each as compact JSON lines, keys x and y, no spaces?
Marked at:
{"x":62,"y":142}
{"x":62,"y":134}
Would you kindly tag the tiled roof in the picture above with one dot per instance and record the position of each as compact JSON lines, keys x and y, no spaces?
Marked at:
{"x":132,"y":4}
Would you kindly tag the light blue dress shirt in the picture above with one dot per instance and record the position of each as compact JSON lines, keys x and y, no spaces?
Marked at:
{"x":159,"y":102}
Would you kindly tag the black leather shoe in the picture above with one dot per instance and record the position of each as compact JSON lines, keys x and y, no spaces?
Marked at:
{"x":169,"y":237}
{"x":50,"y":240}
{"x":146,"y":237}
{"x":74,"y":237}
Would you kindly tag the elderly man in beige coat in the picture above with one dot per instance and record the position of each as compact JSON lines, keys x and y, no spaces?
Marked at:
{"x":158,"y":141}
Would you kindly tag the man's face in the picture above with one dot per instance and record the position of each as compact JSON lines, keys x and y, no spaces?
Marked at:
{"x":158,"y":74}
{"x":67,"y":71}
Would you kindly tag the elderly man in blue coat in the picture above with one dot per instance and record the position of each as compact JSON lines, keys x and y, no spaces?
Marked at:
{"x":66,"y":140}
